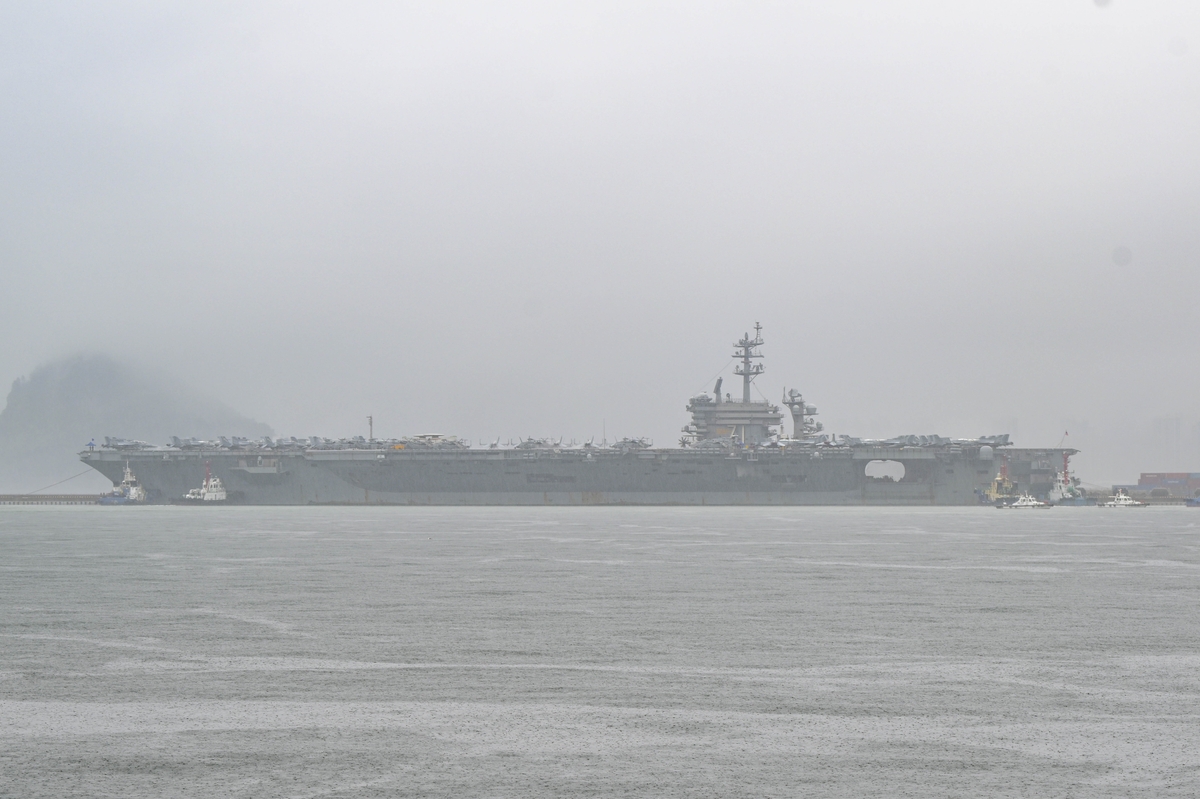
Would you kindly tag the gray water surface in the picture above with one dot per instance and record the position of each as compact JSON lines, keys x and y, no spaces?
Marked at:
{"x":305,"y":652}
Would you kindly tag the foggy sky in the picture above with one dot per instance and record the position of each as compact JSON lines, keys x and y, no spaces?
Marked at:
{"x":525,"y":219}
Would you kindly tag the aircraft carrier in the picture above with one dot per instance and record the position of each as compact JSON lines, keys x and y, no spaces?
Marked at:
{"x":734,"y":451}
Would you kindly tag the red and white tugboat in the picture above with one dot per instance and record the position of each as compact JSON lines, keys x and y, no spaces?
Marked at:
{"x":1066,"y":490}
{"x":212,"y":492}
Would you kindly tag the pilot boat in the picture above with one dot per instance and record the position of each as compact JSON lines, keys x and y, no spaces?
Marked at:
{"x":1026,"y":501}
{"x":1122,"y":500}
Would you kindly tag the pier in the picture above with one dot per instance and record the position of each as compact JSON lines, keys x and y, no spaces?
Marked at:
{"x":49,"y":499}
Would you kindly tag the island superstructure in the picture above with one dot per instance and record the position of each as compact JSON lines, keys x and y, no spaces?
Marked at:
{"x":734,"y":451}
{"x":748,"y":422}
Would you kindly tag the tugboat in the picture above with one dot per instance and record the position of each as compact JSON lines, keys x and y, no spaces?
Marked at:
{"x":1026,"y":501}
{"x":1003,"y":491}
{"x":1066,"y":490}
{"x":129,"y":492}
{"x":1123,"y":500}
{"x":212,"y":492}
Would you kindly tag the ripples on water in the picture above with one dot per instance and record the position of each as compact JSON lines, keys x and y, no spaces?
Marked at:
{"x":308,"y":652}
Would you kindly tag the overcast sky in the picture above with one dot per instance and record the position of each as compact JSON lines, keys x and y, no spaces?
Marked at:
{"x":504,"y":219}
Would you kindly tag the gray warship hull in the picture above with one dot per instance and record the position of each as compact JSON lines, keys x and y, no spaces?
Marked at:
{"x":666,"y":477}
{"x":784,"y":476}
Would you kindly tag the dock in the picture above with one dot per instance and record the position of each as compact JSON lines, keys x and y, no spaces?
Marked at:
{"x":49,"y":499}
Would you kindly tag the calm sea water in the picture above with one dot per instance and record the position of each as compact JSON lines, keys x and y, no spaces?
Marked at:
{"x":305,"y":652}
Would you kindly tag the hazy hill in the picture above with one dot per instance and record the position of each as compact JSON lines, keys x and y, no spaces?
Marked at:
{"x":53,"y":413}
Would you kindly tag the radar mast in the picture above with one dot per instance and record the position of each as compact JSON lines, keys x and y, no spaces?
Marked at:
{"x":746,"y":351}
{"x":746,"y":423}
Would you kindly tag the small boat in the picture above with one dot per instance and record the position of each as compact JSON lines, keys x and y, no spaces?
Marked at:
{"x":128,"y":492}
{"x":1122,"y":500}
{"x":1026,"y":501}
{"x":211,"y":492}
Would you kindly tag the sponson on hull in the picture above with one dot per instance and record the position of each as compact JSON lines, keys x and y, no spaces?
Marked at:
{"x":734,"y":451}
